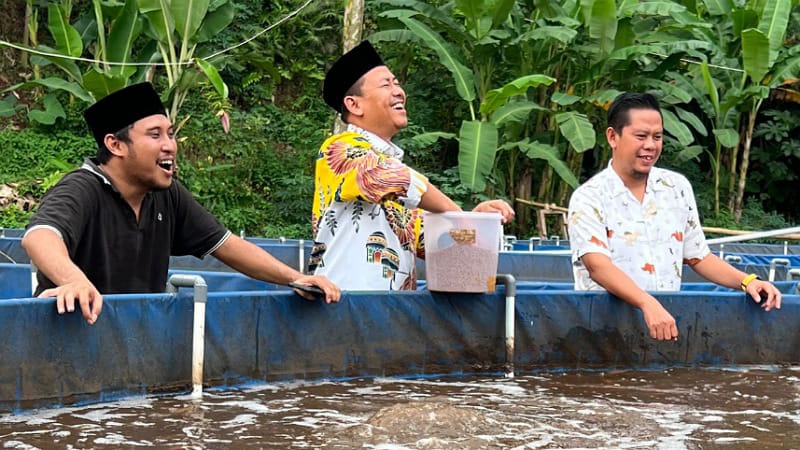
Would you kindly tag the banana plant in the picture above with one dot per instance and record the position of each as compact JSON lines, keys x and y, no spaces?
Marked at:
{"x":166,"y":24}
{"x":479,"y":34}
{"x":95,"y":82}
{"x":746,"y":62}
{"x":177,"y":27}
{"x":767,"y":64}
{"x":612,"y":49}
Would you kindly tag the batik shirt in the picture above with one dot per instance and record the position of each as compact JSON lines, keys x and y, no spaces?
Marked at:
{"x":367,"y":229}
{"x":650,"y":241}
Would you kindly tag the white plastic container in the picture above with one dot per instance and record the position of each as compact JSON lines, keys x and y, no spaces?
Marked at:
{"x":461,"y":251}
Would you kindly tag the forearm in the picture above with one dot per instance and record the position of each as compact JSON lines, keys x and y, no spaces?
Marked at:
{"x":435,"y":201}
{"x":49,"y":254}
{"x":714,"y":269}
{"x":615,"y":281}
{"x":251,"y":260}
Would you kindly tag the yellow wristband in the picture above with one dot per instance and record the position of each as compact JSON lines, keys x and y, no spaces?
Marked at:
{"x":748,"y":279}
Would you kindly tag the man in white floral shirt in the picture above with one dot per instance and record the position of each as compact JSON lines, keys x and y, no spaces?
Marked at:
{"x":634,"y":225}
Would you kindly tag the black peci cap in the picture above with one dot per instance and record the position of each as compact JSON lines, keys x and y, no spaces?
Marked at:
{"x":122,"y":108}
{"x":344,"y":73}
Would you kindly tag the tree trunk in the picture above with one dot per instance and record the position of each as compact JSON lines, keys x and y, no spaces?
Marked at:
{"x":732,"y":174}
{"x":544,"y":185}
{"x":26,"y":38}
{"x":351,"y":36}
{"x":574,"y":162}
{"x":748,"y":140}
{"x":523,"y":191}
{"x":717,"y":161}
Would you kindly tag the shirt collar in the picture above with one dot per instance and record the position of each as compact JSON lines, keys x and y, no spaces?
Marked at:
{"x":653,"y":181}
{"x":379,"y":144}
{"x":90,"y":165}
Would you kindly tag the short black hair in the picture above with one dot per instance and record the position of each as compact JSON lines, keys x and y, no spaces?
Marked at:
{"x":104,"y":154}
{"x":355,"y":89}
{"x":618,"y":117}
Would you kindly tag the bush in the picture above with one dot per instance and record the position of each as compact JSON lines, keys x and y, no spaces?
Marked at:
{"x":30,"y":154}
{"x":258,"y":179}
{"x":34,"y":159}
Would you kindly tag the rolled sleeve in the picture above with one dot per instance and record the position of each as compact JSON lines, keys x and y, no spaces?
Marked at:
{"x":417,"y":187}
{"x":695,"y":246}
{"x":586,"y":225}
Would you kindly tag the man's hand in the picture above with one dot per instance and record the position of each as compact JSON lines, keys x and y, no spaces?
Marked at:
{"x":764,"y":290}
{"x":499,"y":206}
{"x":332,"y":292}
{"x":89,"y":299}
{"x":659,"y":321}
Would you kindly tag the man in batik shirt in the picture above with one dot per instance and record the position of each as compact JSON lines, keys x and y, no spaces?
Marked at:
{"x":366,"y":218}
{"x":634,"y":225}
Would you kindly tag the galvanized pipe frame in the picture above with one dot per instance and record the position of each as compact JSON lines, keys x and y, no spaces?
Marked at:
{"x":198,"y":327}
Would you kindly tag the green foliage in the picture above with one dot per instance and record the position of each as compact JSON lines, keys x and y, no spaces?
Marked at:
{"x":286,"y":65}
{"x":34,"y":159}
{"x":776,"y":162}
{"x":258,"y":178}
{"x":139,"y":31}
{"x":753,"y":218}
{"x":31,"y":155}
{"x":470,"y":41}
{"x":14,"y":217}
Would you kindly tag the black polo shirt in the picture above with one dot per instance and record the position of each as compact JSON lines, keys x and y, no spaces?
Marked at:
{"x":116,"y":253}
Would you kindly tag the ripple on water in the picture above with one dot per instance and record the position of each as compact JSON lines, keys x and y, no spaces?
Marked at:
{"x":670,"y":409}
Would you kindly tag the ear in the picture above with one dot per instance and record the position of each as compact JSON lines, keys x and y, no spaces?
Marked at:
{"x":114,"y":145}
{"x":611,"y":137}
{"x":353,"y":105}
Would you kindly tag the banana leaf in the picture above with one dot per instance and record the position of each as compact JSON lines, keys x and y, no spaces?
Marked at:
{"x":67,"y":39}
{"x":477,"y":146}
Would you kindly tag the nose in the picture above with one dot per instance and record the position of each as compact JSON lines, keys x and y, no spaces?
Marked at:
{"x":398,"y":91}
{"x":170,"y":145}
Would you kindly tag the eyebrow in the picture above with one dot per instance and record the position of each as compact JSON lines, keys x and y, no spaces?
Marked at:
{"x":158,"y":128}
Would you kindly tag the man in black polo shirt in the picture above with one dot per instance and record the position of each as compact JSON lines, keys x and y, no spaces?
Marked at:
{"x":110,"y":226}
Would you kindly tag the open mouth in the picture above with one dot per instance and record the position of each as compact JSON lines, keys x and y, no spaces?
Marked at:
{"x":399,"y":107}
{"x":167,"y":165}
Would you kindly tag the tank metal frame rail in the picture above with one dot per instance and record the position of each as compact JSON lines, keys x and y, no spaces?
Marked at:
{"x":754,"y":235}
{"x":510,"y":284}
{"x":199,"y":325}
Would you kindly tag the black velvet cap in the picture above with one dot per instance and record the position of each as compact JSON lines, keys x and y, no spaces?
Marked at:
{"x":344,"y":73}
{"x":122,"y":108}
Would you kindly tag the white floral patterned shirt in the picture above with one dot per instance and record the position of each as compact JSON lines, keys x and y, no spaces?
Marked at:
{"x":650,"y":241}
{"x":366,"y":226}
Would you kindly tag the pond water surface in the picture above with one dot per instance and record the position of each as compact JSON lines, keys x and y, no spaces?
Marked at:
{"x":756,"y":407}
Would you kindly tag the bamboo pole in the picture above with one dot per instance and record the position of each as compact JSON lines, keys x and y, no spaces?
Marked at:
{"x":715,"y":230}
{"x":551,"y":206}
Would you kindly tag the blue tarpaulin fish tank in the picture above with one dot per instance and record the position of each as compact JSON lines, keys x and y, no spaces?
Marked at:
{"x":254,"y":331}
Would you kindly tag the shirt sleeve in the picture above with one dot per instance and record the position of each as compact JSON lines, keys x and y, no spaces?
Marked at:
{"x":66,"y":209}
{"x":198,"y":232}
{"x":586,"y":224}
{"x":694,"y":240}
{"x":363,"y":174}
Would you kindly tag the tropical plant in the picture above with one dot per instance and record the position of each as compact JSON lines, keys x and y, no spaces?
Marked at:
{"x":140,"y":34}
{"x":477,"y":32}
{"x":536,"y":80}
{"x":747,"y":60}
